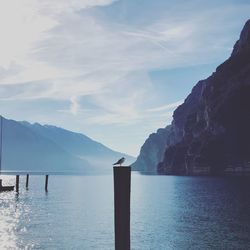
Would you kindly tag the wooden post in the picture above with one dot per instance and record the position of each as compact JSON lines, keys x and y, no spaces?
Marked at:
{"x":122,"y":186}
{"x":46,"y":182}
{"x":17,"y":183}
{"x":27,"y":181}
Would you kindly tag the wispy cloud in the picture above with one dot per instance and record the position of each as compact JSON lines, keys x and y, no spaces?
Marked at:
{"x":74,"y":107}
{"x":166,"y":107}
{"x":71,"y":52}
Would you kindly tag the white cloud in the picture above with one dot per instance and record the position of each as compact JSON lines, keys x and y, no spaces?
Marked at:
{"x":59,"y":6}
{"x":20,"y":28}
{"x":74,"y":108}
{"x":166,"y":107}
{"x":52,"y":43}
{"x":62,"y":50}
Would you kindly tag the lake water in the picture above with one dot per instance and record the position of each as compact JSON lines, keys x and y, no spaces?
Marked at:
{"x":167,"y":212}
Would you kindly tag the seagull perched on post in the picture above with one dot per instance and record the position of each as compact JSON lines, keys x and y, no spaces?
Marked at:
{"x":119,"y":162}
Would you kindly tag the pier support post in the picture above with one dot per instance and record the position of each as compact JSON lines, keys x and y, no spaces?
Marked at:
{"x":17,"y":183}
{"x":46,"y":182}
{"x":27,"y":181}
{"x":122,"y":186}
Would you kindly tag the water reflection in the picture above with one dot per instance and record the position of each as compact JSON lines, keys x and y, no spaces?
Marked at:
{"x":192,"y":213}
{"x":166,"y":213}
{"x":9,"y":218}
{"x":76,"y":213}
{"x":15,"y":213}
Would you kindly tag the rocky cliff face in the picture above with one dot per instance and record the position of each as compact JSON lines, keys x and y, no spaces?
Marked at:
{"x":210,"y":132}
{"x":152,"y":151}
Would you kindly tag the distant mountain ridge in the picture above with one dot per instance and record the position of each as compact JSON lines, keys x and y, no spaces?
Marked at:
{"x":152,"y":151}
{"x":210,"y":131}
{"x":36,"y":147}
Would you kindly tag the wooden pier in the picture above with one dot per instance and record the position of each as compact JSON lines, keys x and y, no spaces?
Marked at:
{"x":17,"y":182}
{"x":46,"y":183}
{"x":5,"y":188}
{"x":122,"y":186}
{"x":27,"y":182}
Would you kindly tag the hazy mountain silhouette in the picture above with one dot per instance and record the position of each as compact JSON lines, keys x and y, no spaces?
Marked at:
{"x":35,"y":147}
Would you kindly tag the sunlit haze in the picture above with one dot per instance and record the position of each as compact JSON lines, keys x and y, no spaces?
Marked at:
{"x":113,"y":70}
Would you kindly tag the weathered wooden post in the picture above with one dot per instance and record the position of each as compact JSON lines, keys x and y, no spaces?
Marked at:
{"x":27,"y":181}
{"x":17,"y":183}
{"x":46,"y":182}
{"x":122,"y":186}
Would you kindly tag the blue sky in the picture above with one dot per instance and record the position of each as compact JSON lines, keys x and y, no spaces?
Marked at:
{"x":113,"y":70}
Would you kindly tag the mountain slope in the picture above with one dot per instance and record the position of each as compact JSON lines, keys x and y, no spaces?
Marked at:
{"x":152,"y":151}
{"x":79,"y":145}
{"x":25,"y":150}
{"x":210,"y":130}
{"x":33,"y":147}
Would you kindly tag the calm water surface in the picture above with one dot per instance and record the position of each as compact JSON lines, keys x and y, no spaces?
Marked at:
{"x":166,"y":213}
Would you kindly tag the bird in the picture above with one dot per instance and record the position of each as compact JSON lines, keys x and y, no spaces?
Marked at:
{"x":120,"y":161}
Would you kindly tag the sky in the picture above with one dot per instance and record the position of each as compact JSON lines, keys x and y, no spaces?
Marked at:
{"x":114,"y":70}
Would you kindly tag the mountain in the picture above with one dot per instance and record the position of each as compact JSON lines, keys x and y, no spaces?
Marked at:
{"x":210,"y":131}
{"x":34,"y":147}
{"x":152,"y":151}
